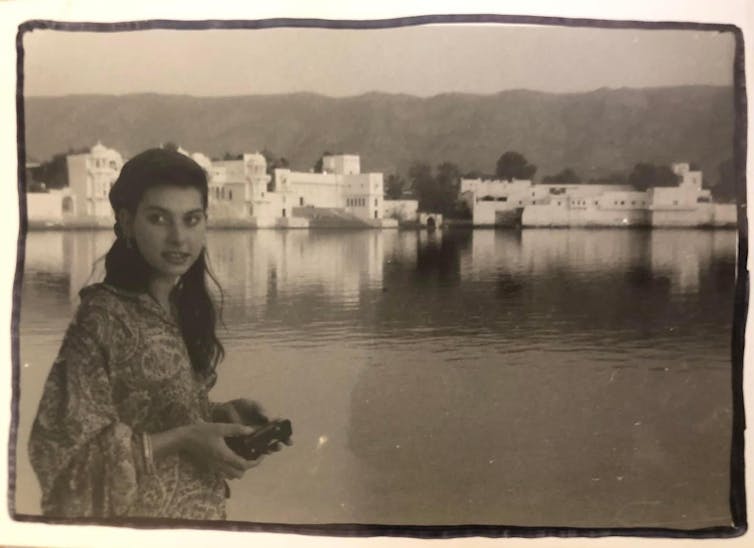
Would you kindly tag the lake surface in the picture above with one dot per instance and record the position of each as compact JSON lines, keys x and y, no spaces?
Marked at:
{"x":536,"y":377}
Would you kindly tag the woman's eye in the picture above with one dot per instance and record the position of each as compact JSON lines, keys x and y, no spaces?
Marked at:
{"x":195,"y":219}
{"x":158,"y":219}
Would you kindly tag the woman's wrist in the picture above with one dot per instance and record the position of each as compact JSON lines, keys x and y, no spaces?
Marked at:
{"x":168,"y":442}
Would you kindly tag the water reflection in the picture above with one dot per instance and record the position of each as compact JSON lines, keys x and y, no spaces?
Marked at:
{"x":267,"y":264}
{"x":520,"y":377}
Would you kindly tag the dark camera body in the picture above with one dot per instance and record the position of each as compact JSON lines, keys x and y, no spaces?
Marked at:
{"x":254,"y":445}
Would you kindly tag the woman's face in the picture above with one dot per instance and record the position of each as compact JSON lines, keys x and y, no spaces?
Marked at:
{"x":168,"y":228}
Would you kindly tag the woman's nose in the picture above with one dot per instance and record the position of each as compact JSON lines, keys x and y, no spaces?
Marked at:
{"x":176,"y":233}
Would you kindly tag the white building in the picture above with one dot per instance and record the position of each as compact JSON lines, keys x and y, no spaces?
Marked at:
{"x":497,"y":203}
{"x":49,"y":208}
{"x":341,"y":186}
{"x":502,"y":203}
{"x":90,"y":177}
{"x":405,"y":211}
{"x":688,"y":203}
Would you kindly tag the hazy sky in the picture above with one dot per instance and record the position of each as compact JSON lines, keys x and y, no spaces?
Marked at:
{"x":423,"y":60}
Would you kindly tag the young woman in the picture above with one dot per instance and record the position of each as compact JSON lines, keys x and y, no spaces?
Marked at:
{"x":125,"y":426}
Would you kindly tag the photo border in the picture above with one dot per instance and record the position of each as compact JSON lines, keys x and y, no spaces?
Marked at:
{"x":737,"y":470}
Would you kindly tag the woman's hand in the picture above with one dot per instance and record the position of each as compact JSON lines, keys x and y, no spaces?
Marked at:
{"x":248,"y":412}
{"x":241,"y":411}
{"x":205,"y":443}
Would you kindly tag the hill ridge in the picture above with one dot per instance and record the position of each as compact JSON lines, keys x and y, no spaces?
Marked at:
{"x":594,"y":132}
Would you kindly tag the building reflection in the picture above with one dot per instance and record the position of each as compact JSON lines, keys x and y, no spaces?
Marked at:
{"x":683,"y":259}
{"x":77,"y":257}
{"x":258,"y":267}
{"x":680,"y":256}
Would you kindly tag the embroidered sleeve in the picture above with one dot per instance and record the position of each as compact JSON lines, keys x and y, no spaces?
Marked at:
{"x":87,"y":461}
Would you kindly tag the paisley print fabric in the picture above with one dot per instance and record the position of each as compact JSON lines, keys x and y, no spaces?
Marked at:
{"x":122,"y":370}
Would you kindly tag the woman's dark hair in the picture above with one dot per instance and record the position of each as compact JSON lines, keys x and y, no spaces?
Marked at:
{"x":126,"y":268}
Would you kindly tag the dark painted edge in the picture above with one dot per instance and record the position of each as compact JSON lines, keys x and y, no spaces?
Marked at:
{"x":741,"y":293}
{"x":737,"y":481}
{"x":19,"y":272}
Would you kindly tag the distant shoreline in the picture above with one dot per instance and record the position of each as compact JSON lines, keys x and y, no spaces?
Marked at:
{"x":448,"y":224}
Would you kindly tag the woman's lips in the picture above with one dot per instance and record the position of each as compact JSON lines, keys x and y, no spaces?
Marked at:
{"x":176,"y":257}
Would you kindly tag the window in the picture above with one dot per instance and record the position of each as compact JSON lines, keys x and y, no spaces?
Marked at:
{"x":675,"y":202}
{"x":230,"y":194}
{"x":375,"y":205}
{"x":300,"y":200}
{"x":622,"y":202}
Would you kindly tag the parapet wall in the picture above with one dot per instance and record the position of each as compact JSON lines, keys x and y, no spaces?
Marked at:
{"x":544,"y":215}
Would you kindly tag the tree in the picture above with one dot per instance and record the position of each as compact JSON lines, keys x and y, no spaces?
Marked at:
{"x":232,"y":156}
{"x":273,"y":161}
{"x":437,"y":193}
{"x":318,"y":164}
{"x":475,"y":174}
{"x":725,"y":189}
{"x":394,"y":187}
{"x":170,"y":145}
{"x":54,"y":172}
{"x":448,"y":182}
{"x":512,"y":165}
{"x":645,"y":175}
{"x":281,"y":163}
{"x":422,"y":181}
{"x":566,"y":176}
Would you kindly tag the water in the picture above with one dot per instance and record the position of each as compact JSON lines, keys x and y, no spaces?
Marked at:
{"x":543,"y":377}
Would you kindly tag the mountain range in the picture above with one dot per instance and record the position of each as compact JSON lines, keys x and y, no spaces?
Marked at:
{"x":595,"y":133}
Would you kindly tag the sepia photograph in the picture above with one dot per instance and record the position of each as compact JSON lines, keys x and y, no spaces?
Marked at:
{"x":433,"y":276}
